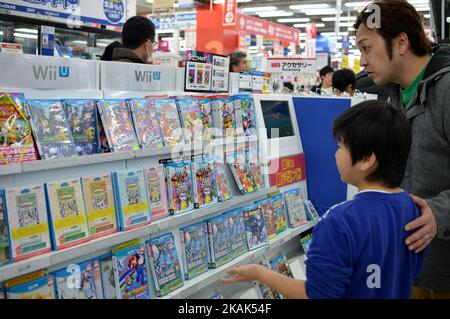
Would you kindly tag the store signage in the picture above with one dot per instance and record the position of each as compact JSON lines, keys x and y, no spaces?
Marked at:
{"x":163,"y":6}
{"x":10,"y":47}
{"x":206,"y":72}
{"x":268,"y":29}
{"x":41,"y":72}
{"x":186,"y":3}
{"x":47,"y":44}
{"x":287,"y":170}
{"x":229,"y":13}
{"x":106,"y":12}
{"x":137,"y":77}
{"x":180,"y":21}
{"x":292,"y":66}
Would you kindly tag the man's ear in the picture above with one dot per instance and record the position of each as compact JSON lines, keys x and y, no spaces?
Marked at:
{"x":402,"y":43}
{"x":369,"y":163}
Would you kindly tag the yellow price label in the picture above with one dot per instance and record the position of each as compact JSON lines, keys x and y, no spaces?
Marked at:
{"x":135,"y":208}
{"x":101,"y":213}
{"x":29,"y":231}
{"x":70,"y":222}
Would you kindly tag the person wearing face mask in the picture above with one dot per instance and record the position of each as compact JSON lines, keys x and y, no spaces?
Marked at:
{"x":138,"y":39}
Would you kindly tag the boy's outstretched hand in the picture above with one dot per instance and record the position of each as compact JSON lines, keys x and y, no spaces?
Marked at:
{"x":242,"y":273}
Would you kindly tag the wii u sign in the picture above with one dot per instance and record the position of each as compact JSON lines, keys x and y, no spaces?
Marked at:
{"x":50,"y":72}
{"x":147,"y":76}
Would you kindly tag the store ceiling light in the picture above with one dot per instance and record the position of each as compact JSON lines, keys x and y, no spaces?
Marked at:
{"x":259,"y":9}
{"x":423,"y":9}
{"x":240,"y":1}
{"x":291,"y":20}
{"x":275,"y":14}
{"x":419,"y":1}
{"x":357,"y":4}
{"x":309,"y":6}
{"x":346,"y":24}
{"x":427,"y":16}
{"x":331,"y":34}
{"x":332,"y":19}
{"x":25,"y":35}
{"x":304,"y":25}
{"x":26,"y":30}
{"x":321,"y":12}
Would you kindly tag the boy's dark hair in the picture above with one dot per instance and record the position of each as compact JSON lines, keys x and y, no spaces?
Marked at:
{"x":376,"y":127}
{"x":108,"y":53}
{"x":235,"y":58}
{"x":342,"y":79}
{"x":325,"y":70}
{"x":397,"y":16}
{"x":136,"y":31}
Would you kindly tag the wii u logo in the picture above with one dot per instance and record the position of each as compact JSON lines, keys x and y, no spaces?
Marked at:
{"x":147,"y":76}
{"x":50,"y":72}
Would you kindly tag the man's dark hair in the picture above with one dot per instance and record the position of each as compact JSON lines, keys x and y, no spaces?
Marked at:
{"x":397,"y":16}
{"x":376,"y":127}
{"x":342,"y":79}
{"x":108,"y":53}
{"x":325,"y":70}
{"x":235,"y":58}
{"x":136,"y":31}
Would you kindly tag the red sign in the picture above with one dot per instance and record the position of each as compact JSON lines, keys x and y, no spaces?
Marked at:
{"x":229,"y":12}
{"x":268,"y":29}
{"x":287,"y":170}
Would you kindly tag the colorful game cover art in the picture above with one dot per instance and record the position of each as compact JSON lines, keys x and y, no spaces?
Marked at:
{"x":191,"y":120}
{"x":118,"y":125}
{"x":132,"y":200}
{"x":266,"y":292}
{"x":228,"y":119}
{"x":82,"y":118}
{"x":130,"y":272}
{"x":67,"y":215}
{"x":248,"y":114}
{"x":169,"y":122}
{"x":157,"y":193}
{"x":107,"y":276}
{"x":238,"y":237}
{"x":16,"y":142}
{"x":305,"y":242}
{"x":179,"y":178}
{"x":295,"y":208}
{"x":255,"y":227}
{"x":279,"y":211}
{"x":51,"y":129}
{"x":164,"y":264}
{"x":254,"y":166}
{"x":241,"y":172}
{"x":102,"y":139}
{"x":77,"y":281}
{"x":207,"y":119}
{"x":279,"y":263}
{"x":146,"y":123}
{"x":219,"y":241}
{"x":223,"y":186}
{"x":205,"y":185}
{"x":5,"y":250}
{"x":311,"y":211}
{"x":266,"y":207}
{"x":194,"y":239}
{"x":100,"y":208}
{"x":28,"y":223}
{"x":36,"y":285}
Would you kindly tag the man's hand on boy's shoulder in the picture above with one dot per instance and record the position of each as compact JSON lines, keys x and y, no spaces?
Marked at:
{"x":425,"y":226}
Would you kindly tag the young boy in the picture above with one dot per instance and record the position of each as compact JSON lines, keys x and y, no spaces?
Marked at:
{"x":358,"y":248}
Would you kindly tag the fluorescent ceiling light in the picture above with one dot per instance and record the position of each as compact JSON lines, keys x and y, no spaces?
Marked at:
{"x":219,"y":1}
{"x":355,"y":4}
{"x":26,"y":30}
{"x":240,"y":1}
{"x":275,"y":14}
{"x":1,"y":32}
{"x":419,"y":1}
{"x":427,"y":16}
{"x":25,"y":35}
{"x":346,"y":24}
{"x":304,"y":25}
{"x":259,"y":9}
{"x":333,"y":33}
{"x":423,"y":9}
{"x":332,"y":19}
{"x":318,"y":12}
{"x":448,"y":19}
{"x":309,"y":6}
{"x":288,"y":20}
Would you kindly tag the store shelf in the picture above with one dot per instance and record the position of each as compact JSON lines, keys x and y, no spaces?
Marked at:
{"x":106,"y":243}
{"x":213,"y":275}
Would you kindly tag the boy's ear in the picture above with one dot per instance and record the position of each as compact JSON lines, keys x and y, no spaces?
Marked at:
{"x":369,"y":163}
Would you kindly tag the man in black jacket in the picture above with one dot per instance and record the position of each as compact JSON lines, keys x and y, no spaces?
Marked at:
{"x":138,"y":40}
{"x":395,"y":51}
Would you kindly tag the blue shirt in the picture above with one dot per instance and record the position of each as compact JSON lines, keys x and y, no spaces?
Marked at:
{"x":358,"y":249}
